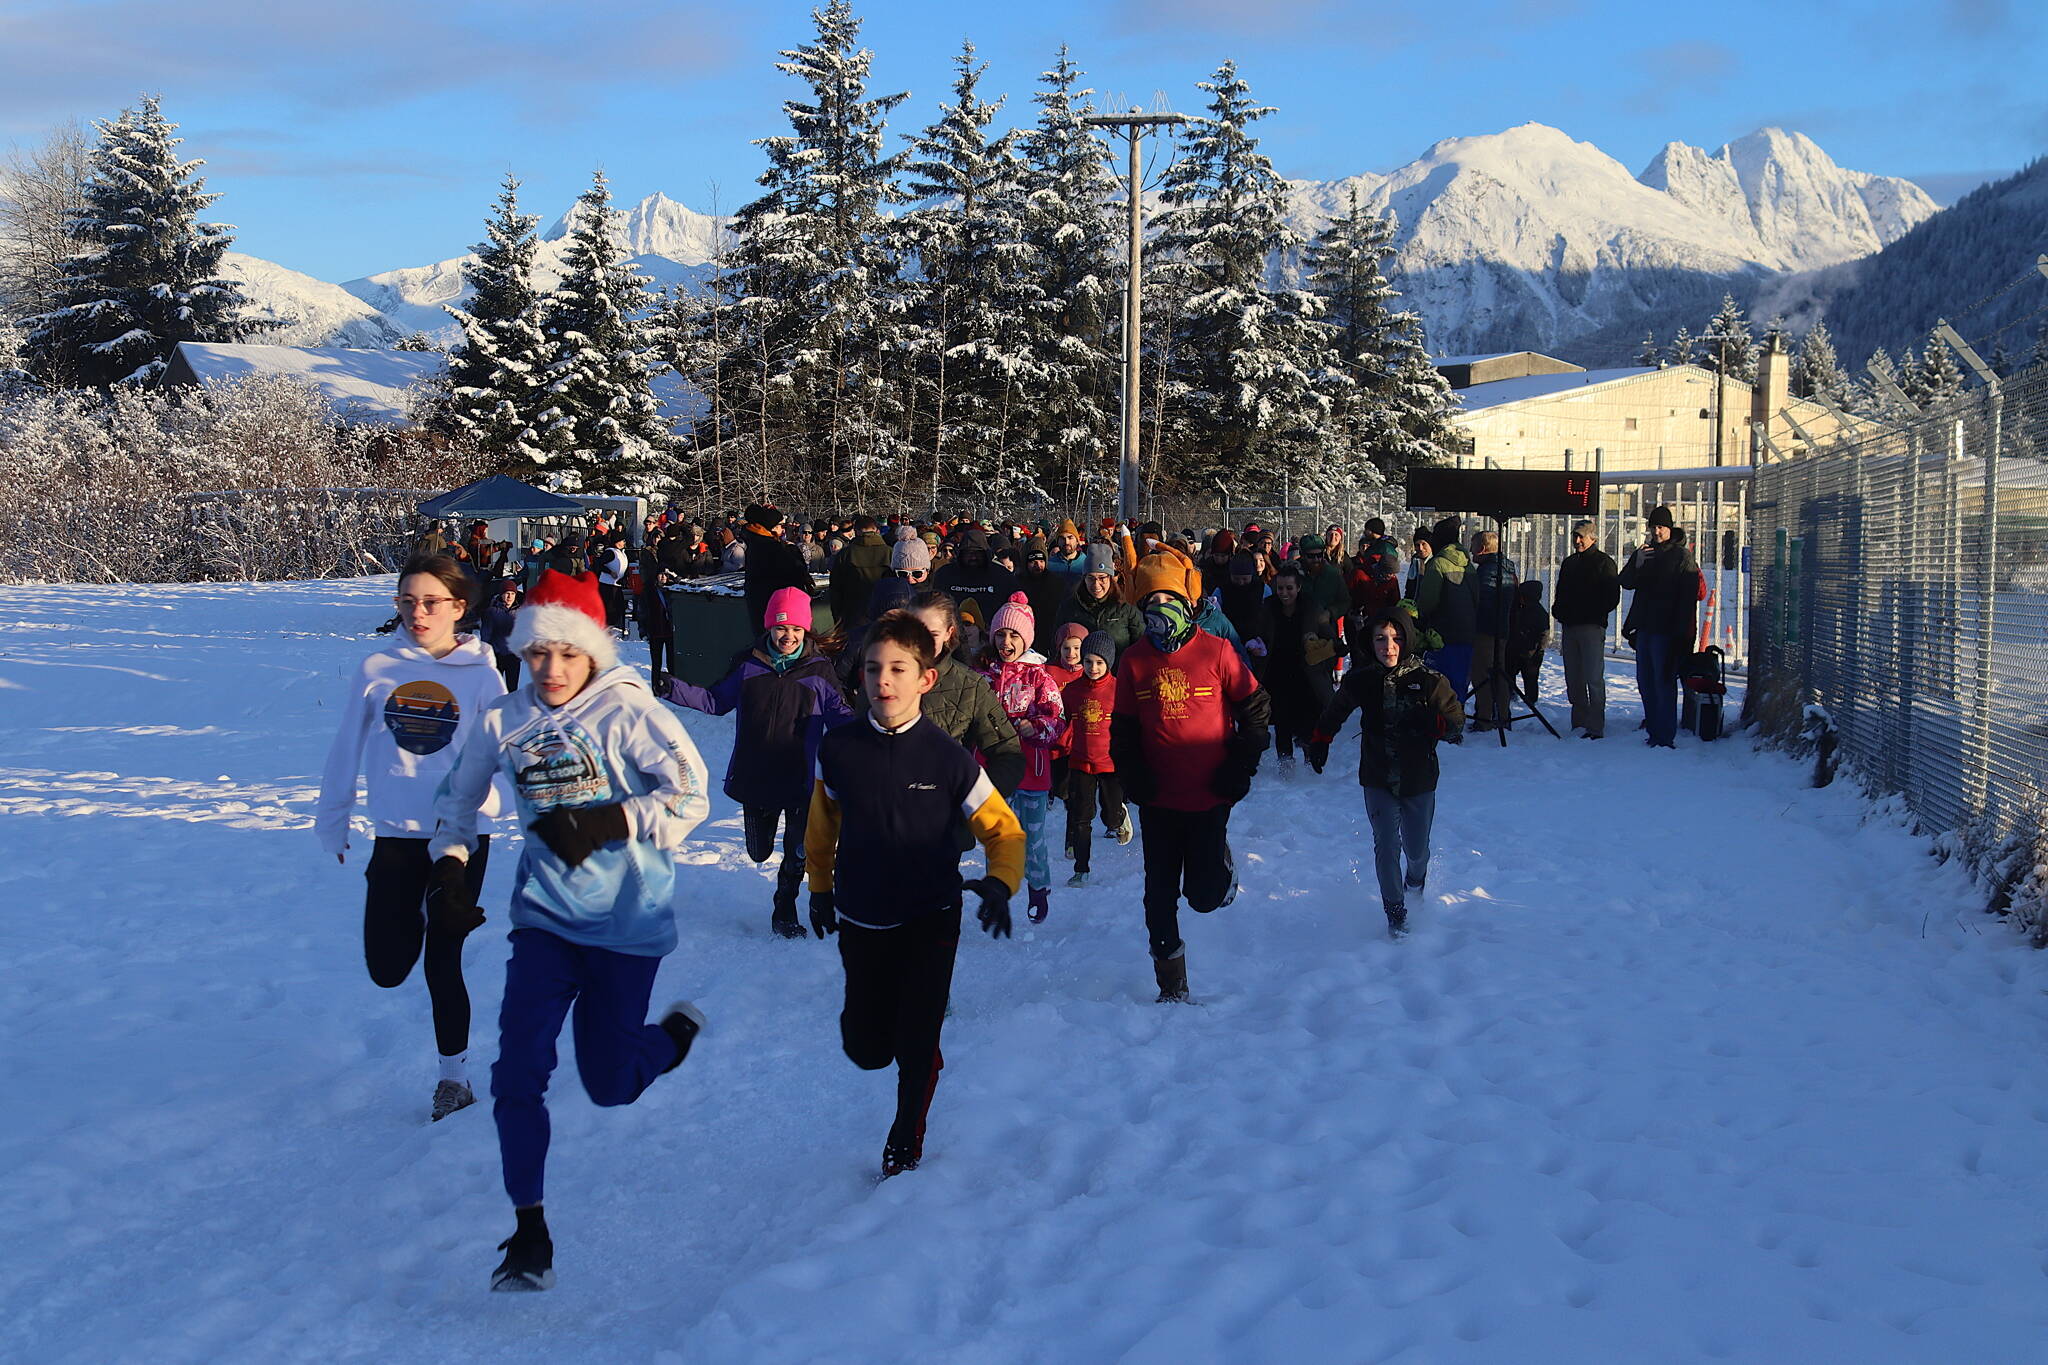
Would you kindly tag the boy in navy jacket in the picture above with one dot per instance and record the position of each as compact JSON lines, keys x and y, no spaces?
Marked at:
{"x":884,"y":870}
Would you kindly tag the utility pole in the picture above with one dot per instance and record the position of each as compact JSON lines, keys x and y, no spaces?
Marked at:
{"x":1133,"y":127}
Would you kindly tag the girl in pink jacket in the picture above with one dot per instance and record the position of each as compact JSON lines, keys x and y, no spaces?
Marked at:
{"x":1031,"y":697}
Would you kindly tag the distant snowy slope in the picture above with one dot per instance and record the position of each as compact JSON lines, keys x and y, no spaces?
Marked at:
{"x":314,"y":313}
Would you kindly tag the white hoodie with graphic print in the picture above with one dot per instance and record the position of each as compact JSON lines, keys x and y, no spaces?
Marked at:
{"x":403,"y":721}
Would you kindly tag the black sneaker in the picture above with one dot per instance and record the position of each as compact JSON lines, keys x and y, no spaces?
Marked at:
{"x":529,"y":1263}
{"x":684,"y":1021}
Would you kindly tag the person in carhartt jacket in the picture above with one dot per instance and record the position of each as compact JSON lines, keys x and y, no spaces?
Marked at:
{"x":787,"y":696}
{"x":1662,"y":617}
{"x":1587,"y":593}
{"x":1404,"y":709}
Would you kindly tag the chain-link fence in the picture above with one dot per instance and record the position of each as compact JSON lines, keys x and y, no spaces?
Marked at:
{"x":1901,"y":619}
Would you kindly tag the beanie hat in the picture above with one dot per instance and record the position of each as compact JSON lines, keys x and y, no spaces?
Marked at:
{"x":890,"y":594}
{"x":931,"y":539}
{"x":1309,"y":542}
{"x":905,"y":531}
{"x":1102,"y":645}
{"x":788,"y":607}
{"x":1071,"y":628}
{"x":1223,"y":544}
{"x":764,"y":515}
{"x":1166,"y":571}
{"x":1067,"y":528}
{"x":1034,"y":548}
{"x":970,"y":610}
{"x":1661,"y":516}
{"x":1101,"y":559}
{"x":1445,"y":533}
{"x":911,"y":554}
{"x":1243,"y":563}
{"x":565,"y":609}
{"x":1015,"y":614}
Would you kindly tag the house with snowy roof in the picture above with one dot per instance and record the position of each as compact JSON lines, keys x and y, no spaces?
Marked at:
{"x":1523,"y":410}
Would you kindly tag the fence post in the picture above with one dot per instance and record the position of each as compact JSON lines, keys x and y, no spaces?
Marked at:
{"x":1978,"y":777}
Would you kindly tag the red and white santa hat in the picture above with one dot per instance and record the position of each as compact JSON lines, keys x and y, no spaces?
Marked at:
{"x":565,"y":609}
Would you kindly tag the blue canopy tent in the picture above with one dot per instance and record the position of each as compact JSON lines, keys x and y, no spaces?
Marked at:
{"x":501,"y":496}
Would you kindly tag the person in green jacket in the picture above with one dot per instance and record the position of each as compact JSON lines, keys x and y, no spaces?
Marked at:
{"x":1322,"y":583}
{"x":1094,"y":602}
{"x":1444,"y":597}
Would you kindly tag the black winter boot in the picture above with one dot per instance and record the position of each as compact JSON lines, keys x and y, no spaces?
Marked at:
{"x":529,"y":1262}
{"x":1172,"y":975}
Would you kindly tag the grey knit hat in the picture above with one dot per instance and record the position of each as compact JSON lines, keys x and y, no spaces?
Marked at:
{"x":911,"y":554}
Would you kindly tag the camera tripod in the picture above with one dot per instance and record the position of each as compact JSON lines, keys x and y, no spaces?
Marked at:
{"x":1504,"y":685}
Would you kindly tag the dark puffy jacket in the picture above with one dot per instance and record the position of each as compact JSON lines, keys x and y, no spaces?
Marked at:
{"x":1494,"y":579}
{"x":1402,"y":713}
{"x":772,"y":563}
{"x":854,"y":574}
{"x":1121,"y":621}
{"x":1587,"y":589}
{"x":1444,"y":596}
{"x":782,"y":716}
{"x":494,"y":624}
{"x":1666,"y":584}
{"x":963,"y":705}
{"x":1046,"y":592}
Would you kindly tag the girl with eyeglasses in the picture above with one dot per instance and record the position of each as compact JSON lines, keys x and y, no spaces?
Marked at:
{"x":408,"y":709}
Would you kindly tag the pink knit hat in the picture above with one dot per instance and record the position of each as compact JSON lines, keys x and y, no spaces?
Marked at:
{"x":1016,"y":615}
{"x":788,"y":607}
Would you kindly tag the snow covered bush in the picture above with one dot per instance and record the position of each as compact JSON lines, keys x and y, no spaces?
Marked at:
{"x":250,"y":480}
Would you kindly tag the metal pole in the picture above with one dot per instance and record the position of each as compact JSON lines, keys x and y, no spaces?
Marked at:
{"x":1128,"y":473}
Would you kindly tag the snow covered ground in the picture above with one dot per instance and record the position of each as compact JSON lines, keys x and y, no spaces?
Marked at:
{"x":1687,"y":1061}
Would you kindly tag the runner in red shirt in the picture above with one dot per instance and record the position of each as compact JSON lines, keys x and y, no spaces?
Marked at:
{"x":1189,"y":725}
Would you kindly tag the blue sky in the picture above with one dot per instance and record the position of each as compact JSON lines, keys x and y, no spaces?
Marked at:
{"x":349,"y":139}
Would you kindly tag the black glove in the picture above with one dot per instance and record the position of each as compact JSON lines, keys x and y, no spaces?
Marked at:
{"x":1139,"y":788}
{"x":450,"y":907}
{"x":1233,"y":781}
{"x":995,"y":906}
{"x":1317,"y":752}
{"x":573,"y":834}
{"x":824,"y":919}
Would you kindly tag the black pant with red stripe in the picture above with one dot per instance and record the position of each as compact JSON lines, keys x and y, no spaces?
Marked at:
{"x":897,"y":984}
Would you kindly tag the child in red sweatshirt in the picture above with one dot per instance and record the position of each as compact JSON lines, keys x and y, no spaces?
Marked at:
{"x":1091,"y":777}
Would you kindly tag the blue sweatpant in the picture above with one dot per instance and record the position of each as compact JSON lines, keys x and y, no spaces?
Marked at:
{"x":1455,"y":663}
{"x":1657,"y":681}
{"x":618,"y":1053}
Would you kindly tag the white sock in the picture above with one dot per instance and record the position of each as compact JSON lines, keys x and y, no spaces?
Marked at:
{"x":456,"y":1068}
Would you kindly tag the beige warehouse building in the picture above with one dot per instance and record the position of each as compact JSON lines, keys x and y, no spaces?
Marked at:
{"x":1522,"y":410}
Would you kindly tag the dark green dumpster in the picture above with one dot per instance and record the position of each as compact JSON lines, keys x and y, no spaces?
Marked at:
{"x":711,"y":623}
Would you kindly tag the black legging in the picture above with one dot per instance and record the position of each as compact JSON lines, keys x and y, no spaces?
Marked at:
{"x":395,"y":928}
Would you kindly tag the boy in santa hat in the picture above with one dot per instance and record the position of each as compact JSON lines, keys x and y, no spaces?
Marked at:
{"x":608,"y":786}
{"x":1030,"y":697}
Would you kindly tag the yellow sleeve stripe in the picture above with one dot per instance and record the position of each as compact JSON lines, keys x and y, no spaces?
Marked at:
{"x":1002,"y":840}
{"x":821,"y":838}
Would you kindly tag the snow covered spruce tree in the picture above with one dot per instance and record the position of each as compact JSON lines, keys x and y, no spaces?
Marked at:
{"x":972,"y":303}
{"x":1243,"y":394}
{"x":1937,"y":377}
{"x":1727,"y":345}
{"x":1816,"y":373}
{"x":813,"y":280}
{"x":601,"y":430}
{"x":1389,"y":406}
{"x":1067,"y":185}
{"x":144,"y":273}
{"x":495,"y":373}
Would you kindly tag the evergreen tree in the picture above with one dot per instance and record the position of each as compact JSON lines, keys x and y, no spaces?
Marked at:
{"x":1940,"y":373}
{"x":1389,"y":404}
{"x":601,"y":427}
{"x":497,"y":372}
{"x":145,"y":274}
{"x":1727,"y":344}
{"x":1912,"y":380}
{"x":814,"y":275}
{"x":1244,"y":389}
{"x":1067,"y":186}
{"x":1684,"y":349}
{"x":1816,"y":373}
{"x":974,"y":298}
{"x":1648,"y":356}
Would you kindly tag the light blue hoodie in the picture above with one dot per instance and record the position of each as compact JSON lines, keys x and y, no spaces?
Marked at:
{"x":611,"y":743}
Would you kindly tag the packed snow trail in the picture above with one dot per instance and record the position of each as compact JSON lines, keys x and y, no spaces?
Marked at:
{"x":1684,"y":1060}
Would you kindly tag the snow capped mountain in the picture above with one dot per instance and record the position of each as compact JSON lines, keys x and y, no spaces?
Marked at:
{"x":1528,"y":238}
{"x":671,"y":244}
{"x":1804,"y":211}
{"x":1523,"y":238}
{"x":314,"y":313}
